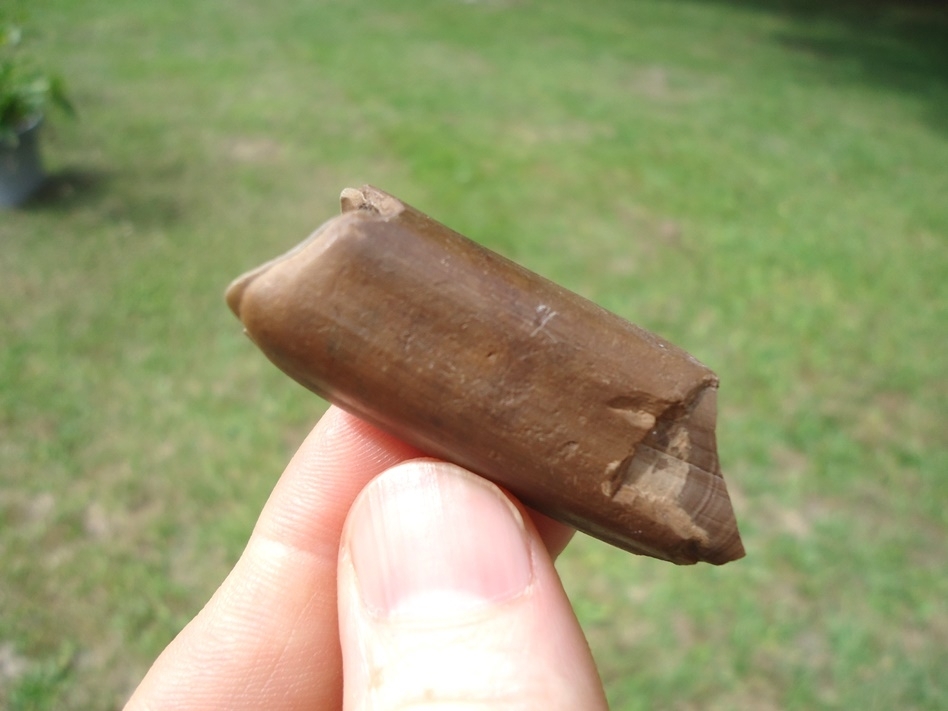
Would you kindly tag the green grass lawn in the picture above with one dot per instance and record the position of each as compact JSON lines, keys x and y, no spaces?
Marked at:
{"x":764,"y":183}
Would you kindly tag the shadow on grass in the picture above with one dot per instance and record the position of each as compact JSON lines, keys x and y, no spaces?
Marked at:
{"x":100,"y":190}
{"x":899,"y":45}
{"x":67,"y":188}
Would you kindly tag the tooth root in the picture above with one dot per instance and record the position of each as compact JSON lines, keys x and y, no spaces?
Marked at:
{"x":464,"y":354}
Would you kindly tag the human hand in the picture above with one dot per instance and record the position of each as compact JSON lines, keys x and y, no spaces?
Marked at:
{"x":429,"y":589}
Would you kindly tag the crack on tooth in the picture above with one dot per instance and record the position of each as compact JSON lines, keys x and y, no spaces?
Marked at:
{"x":654,"y":475}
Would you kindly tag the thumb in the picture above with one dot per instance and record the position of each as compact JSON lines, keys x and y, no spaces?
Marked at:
{"x":448,"y":599}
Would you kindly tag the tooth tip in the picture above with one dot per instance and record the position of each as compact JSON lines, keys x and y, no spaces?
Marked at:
{"x":731,"y":550}
{"x":724,"y":544}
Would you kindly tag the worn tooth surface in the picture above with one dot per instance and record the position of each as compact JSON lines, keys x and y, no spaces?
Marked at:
{"x":468,"y":356}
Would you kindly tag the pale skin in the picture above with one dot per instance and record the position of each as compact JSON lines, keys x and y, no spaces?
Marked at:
{"x":377,"y":579}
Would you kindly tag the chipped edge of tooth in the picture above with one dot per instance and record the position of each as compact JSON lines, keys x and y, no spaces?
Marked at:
{"x":371,"y":199}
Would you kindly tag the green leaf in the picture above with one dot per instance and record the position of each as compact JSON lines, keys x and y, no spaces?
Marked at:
{"x":26,"y":91}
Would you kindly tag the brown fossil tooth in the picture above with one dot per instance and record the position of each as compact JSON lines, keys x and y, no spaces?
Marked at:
{"x":472,"y":358}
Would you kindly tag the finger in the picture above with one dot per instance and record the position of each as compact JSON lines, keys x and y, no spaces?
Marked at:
{"x":269,"y":637}
{"x":555,"y":535}
{"x":449,"y":599}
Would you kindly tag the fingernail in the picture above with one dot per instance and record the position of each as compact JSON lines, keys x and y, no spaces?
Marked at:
{"x":428,"y":538}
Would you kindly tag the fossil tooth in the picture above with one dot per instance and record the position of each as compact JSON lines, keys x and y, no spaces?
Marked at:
{"x":474,"y":359}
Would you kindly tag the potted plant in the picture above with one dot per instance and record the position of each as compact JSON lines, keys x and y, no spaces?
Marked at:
{"x":26,"y":95}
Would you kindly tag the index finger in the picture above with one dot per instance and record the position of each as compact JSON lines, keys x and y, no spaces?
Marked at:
{"x":269,"y":636}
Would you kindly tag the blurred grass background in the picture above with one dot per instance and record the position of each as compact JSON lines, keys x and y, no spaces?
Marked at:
{"x":764,"y":183}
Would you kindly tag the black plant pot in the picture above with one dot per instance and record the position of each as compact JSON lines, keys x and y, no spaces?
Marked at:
{"x":21,"y":171}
